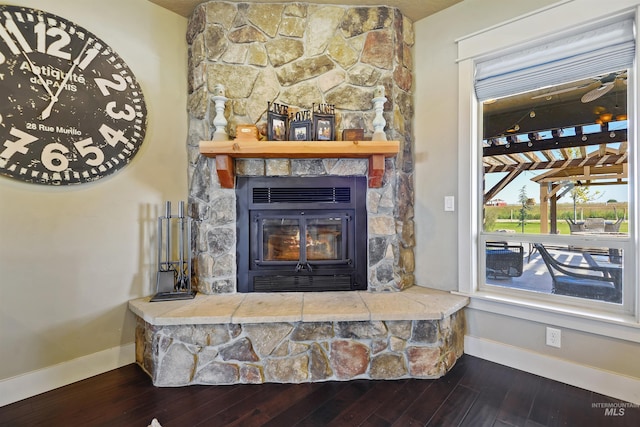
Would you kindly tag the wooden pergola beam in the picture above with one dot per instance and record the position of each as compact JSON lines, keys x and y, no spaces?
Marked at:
{"x":556,"y":164}
{"x":583,"y":174}
{"x":562,"y":142}
{"x":500,"y":185}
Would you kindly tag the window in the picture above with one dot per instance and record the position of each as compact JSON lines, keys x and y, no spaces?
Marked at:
{"x":555,"y":163}
{"x":552,"y":205}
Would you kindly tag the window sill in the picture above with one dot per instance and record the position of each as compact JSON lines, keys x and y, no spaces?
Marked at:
{"x":615,"y":325}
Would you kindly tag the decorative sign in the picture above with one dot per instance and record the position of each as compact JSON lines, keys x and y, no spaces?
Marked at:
{"x":71,"y":110}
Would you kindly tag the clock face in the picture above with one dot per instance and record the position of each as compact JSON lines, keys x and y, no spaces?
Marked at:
{"x":71,"y":110}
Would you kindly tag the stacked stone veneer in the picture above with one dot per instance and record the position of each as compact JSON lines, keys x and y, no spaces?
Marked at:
{"x":299,"y":54}
{"x":298,"y":352}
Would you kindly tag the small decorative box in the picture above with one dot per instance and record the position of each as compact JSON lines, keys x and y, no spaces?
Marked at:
{"x":249,"y":132}
{"x":353,"y":134}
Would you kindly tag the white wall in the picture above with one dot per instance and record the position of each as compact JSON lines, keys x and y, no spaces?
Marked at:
{"x":71,"y":257}
{"x":436,"y":125}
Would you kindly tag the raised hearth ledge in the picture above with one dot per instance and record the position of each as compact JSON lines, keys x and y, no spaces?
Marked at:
{"x":414,"y":303}
{"x":259,"y":338}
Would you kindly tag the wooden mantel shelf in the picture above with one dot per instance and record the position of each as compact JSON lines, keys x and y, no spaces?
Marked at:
{"x":225,"y":151}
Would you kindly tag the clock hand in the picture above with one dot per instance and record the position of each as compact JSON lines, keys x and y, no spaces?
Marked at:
{"x":32,"y":67}
{"x":54,"y":98}
{"x":37,"y":74}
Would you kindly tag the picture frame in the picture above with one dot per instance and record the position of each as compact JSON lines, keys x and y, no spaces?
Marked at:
{"x":277,"y":121}
{"x":324,"y":120}
{"x":301,"y":126}
{"x":301,"y":131}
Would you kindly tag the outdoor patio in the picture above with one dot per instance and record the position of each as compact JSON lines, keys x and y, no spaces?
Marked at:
{"x":535,"y":274}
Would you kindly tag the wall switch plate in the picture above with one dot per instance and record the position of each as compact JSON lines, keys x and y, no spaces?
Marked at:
{"x":449,"y":203}
{"x":553,"y":337}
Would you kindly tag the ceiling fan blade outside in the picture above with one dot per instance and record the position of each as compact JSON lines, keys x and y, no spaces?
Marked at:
{"x":596,"y":93}
{"x":559,"y":91}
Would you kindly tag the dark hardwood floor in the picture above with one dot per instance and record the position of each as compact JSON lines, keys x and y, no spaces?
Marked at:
{"x":475,"y":393}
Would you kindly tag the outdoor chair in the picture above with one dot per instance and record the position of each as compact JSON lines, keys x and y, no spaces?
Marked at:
{"x":613,"y":227}
{"x":575,"y":226}
{"x":601,"y":283}
{"x":504,"y":260}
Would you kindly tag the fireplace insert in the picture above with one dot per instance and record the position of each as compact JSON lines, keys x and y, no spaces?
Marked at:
{"x":301,"y":234}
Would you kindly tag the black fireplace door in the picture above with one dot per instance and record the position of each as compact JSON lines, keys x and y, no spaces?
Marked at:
{"x":314,"y":249}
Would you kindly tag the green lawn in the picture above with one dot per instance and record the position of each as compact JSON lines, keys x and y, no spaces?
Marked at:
{"x":533,"y":227}
{"x":608,"y":211}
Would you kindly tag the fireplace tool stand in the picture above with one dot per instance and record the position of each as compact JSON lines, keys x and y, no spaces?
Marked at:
{"x":173,"y":281}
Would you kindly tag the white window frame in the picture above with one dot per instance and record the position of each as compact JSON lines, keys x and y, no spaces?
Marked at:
{"x":539,"y":25}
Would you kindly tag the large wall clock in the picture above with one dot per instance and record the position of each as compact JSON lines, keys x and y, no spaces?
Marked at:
{"x":71,"y":110}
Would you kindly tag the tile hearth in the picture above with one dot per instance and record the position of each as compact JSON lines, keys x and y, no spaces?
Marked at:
{"x":299,"y":337}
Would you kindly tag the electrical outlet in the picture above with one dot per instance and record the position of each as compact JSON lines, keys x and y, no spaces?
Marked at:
{"x":553,"y":337}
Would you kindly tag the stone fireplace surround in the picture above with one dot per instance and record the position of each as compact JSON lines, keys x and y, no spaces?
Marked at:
{"x":298,"y":54}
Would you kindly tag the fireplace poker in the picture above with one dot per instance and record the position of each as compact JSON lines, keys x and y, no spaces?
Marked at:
{"x":181,"y":276}
{"x":167,"y":215}
{"x":165,"y":281}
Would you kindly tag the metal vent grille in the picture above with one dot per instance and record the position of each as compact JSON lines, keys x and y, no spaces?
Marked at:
{"x":302,"y":195}
{"x":301,"y":283}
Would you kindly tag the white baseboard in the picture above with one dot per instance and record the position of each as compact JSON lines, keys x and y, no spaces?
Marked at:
{"x":26,"y":385}
{"x":587,"y":377}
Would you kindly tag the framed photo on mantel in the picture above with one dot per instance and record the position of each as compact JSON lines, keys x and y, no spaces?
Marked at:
{"x":300,"y":126}
{"x":324,"y":119}
{"x":277,"y":117}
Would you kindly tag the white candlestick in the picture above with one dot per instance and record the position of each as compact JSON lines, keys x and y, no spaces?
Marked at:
{"x":220,"y":121}
{"x":379,"y":122}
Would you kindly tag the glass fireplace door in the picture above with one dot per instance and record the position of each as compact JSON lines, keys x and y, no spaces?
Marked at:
{"x":302,"y":239}
{"x":324,"y":239}
{"x":280,"y":239}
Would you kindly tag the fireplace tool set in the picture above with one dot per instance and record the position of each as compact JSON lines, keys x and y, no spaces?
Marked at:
{"x":173,"y":281}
